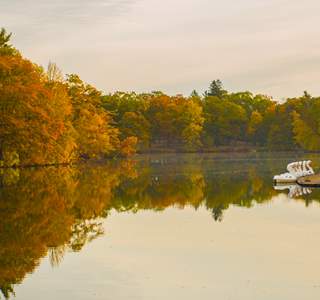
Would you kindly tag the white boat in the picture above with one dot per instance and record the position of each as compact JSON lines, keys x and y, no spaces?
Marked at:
{"x":295,"y":170}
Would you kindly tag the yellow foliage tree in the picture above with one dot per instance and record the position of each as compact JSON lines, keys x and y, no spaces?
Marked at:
{"x":96,"y":136}
{"x":305,"y":136}
{"x":33,"y":115}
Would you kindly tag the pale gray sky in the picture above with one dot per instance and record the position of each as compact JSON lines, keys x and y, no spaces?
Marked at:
{"x":265,"y":46}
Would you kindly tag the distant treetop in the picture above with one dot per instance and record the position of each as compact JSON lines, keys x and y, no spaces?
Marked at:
{"x":216,"y":89}
{"x":5,"y":47}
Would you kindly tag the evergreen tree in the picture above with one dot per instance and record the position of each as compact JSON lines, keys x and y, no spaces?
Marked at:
{"x":5,"y":47}
{"x":216,"y":89}
{"x":194,"y":94}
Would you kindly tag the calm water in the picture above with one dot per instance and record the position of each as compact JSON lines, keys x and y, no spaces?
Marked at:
{"x":159,"y":227}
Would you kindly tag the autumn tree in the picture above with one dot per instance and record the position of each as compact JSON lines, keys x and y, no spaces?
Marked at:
{"x":277,"y":128}
{"x":134,"y":124}
{"x":95,"y":135}
{"x":254,"y":124}
{"x":175,"y":120}
{"x":66,"y":145}
{"x":191,"y":123}
{"x":128,"y":112}
{"x":225,"y":121}
{"x":31,"y":128}
{"x":306,"y":122}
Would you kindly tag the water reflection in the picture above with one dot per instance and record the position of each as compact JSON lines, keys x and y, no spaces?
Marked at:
{"x":53,"y":210}
{"x":294,"y":190}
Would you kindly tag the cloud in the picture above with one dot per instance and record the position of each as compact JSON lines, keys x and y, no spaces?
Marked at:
{"x":268,"y":46}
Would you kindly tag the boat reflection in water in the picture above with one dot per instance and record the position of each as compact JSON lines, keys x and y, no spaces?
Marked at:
{"x":295,"y":190}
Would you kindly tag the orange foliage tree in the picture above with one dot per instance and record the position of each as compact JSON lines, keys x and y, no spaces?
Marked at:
{"x":33,"y":115}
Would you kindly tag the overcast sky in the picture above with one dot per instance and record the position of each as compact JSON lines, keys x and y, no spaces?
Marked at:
{"x":265,"y":46}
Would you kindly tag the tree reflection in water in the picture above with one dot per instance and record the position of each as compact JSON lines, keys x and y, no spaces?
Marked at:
{"x":53,"y":210}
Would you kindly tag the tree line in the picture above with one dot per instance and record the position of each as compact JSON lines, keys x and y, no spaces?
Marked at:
{"x":48,"y":118}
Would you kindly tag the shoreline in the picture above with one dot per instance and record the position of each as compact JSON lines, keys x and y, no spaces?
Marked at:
{"x":219,"y":150}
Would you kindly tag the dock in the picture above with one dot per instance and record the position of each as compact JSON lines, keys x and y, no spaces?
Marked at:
{"x":310,"y":181}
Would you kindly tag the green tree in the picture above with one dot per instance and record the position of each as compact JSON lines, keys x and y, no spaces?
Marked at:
{"x":216,"y":89}
{"x":5,"y":47}
{"x":305,"y":136}
{"x":135,"y":124}
{"x":225,"y":121}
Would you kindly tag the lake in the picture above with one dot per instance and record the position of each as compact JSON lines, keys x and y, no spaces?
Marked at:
{"x":191,"y":226}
